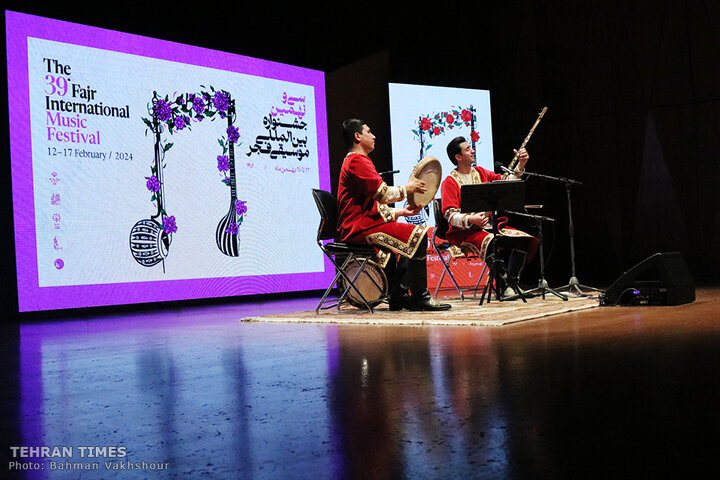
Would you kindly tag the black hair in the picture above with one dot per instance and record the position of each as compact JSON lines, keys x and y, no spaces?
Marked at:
{"x":351,"y":126}
{"x":453,"y":148}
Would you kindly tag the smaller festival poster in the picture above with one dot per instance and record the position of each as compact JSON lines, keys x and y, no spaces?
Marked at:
{"x":424,"y":119}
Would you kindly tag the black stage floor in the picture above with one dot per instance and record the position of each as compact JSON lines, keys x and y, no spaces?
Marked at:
{"x":191,"y":392}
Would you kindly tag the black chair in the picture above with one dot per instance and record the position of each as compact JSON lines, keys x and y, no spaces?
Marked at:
{"x":441,"y":246}
{"x":363,"y":282}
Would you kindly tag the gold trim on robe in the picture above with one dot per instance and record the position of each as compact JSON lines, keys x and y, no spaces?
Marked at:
{"x":385,"y":212}
{"x":387,"y":194}
{"x":405,"y":249}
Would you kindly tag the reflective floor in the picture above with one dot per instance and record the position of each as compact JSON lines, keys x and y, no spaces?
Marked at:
{"x":191,"y":392}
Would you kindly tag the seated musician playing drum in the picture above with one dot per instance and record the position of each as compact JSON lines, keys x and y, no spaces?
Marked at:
{"x":364,"y":216}
{"x":467,"y":230}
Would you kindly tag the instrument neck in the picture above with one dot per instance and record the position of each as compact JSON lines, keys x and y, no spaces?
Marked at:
{"x":513,"y":162}
{"x":231,"y":152}
{"x":231,"y":155}
{"x":160,"y":194}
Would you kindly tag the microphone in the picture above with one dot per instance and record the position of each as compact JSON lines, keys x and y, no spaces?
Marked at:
{"x":507,"y":170}
{"x":499,"y":167}
{"x":389,"y":172}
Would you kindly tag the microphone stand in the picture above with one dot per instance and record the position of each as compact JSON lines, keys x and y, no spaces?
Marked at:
{"x":573,"y":284}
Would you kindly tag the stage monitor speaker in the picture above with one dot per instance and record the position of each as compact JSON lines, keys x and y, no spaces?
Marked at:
{"x":661,"y":279}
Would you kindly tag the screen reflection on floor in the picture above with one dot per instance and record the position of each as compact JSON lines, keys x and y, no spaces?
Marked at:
{"x":194,"y":391}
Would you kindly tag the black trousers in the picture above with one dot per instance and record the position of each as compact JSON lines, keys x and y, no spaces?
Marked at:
{"x":405,"y":274}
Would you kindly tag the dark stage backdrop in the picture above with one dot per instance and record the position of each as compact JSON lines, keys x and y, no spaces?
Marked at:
{"x":633,"y":107}
{"x":631,"y":89}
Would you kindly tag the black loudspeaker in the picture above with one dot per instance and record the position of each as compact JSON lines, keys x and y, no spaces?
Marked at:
{"x":661,"y":279}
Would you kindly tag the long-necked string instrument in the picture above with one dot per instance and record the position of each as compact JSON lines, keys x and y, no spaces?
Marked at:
{"x":149,"y":243}
{"x":514,"y":161}
{"x":226,"y":234}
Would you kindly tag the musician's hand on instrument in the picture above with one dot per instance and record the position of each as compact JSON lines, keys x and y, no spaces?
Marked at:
{"x":523,"y":157}
{"x":407,"y":211}
{"x":479,"y":219}
{"x":415,"y":185}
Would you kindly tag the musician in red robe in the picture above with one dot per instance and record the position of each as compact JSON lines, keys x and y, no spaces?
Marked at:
{"x":364,"y":216}
{"x":467,"y":229}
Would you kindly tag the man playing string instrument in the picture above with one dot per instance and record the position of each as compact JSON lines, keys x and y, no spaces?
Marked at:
{"x":366,"y":217}
{"x":468,"y":230}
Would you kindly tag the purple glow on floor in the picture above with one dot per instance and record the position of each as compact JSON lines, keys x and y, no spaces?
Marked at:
{"x":197,"y":390}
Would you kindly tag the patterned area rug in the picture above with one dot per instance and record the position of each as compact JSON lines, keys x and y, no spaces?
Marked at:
{"x":463,"y":312}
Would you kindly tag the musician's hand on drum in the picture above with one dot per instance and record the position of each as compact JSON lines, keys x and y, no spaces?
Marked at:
{"x":415,"y":185}
{"x":523,"y":157}
{"x":479,"y":219}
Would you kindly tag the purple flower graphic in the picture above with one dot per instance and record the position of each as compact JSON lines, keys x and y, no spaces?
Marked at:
{"x":232,"y":228}
{"x":153,"y":184}
{"x":241,"y":207}
{"x":233,"y":134}
{"x":198,"y":105}
{"x":180,"y":122}
{"x":162,"y":110}
{"x":223,"y":163}
{"x":169,"y":224}
{"x":221,"y":101}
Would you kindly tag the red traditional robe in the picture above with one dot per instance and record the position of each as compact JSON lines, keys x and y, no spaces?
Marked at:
{"x":363,"y":219}
{"x":475,"y":239}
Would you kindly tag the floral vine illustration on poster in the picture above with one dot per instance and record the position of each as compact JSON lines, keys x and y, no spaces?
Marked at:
{"x":434,"y":125}
{"x":150,"y":238}
{"x":437,"y":124}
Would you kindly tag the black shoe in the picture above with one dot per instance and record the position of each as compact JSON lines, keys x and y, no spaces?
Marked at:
{"x":398,"y":302}
{"x":424,"y":302}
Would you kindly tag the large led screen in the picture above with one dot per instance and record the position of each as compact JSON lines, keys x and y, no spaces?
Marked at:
{"x":145,"y":170}
{"x":423,"y":120}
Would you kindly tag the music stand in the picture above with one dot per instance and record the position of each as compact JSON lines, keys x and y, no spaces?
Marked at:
{"x":543,"y":286}
{"x":493,"y":196}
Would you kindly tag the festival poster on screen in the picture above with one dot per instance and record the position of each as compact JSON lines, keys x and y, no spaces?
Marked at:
{"x":423,"y":120}
{"x":162,"y":163}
